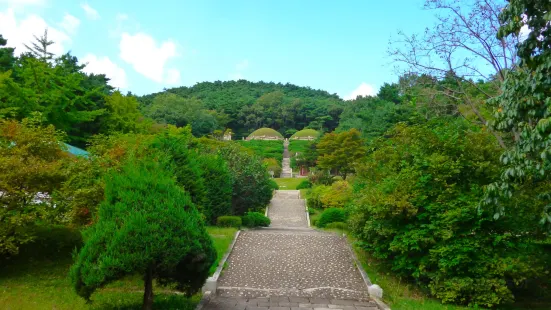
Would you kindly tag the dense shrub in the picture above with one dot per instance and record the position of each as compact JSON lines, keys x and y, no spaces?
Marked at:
{"x":229,"y":221}
{"x":320,"y":177}
{"x":416,"y":208}
{"x":316,"y":194}
{"x":51,"y":241}
{"x":255,"y":219}
{"x":252,"y":185}
{"x":331,"y":215}
{"x":338,"y":196}
{"x":218,"y":185}
{"x":304,"y":184}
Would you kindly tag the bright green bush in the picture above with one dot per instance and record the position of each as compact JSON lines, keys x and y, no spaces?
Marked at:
{"x":229,"y":221}
{"x":416,"y":208}
{"x":147,"y":225}
{"x":255,"y":219}
{"x":316,"y":194}
{"x":218,"y":185}
{"x":304,"y":184}
{"x":331,"y":215}
{"x":252,"y":185}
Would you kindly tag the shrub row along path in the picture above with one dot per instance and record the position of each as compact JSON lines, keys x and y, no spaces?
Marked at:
{"x":290,"y":266}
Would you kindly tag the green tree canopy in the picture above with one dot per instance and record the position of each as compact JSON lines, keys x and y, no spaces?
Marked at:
{"x":147,"y":225}
{"x":341,"y":151}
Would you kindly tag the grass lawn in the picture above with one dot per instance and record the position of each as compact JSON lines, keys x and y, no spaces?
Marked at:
{"x":288,"y":183}
{"x":33,"y":283}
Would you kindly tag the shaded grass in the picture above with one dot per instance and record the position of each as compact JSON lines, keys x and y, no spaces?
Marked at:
{"x":42,"y":283}
{"x":288,"y":183}
{"x":222,"y":238}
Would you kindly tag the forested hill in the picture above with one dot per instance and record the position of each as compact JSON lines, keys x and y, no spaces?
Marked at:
{"x":244,"y":106}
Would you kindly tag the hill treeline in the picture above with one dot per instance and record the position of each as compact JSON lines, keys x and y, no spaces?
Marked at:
{"x":244,"y":106}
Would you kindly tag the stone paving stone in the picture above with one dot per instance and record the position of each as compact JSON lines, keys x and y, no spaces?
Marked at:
{"x":290,"y":267}
{"x":343,"y":302}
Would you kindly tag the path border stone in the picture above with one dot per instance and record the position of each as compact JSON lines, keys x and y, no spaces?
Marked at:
{"x":211,"y":284}
{"x":365,"y":277}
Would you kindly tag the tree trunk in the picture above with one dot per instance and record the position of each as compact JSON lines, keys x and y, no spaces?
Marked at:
{"x":148,"y":292}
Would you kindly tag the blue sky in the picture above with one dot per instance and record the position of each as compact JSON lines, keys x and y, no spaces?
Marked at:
{"x":145,"y":46}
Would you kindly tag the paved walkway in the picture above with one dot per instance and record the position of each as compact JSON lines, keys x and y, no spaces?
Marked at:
{"x":286,"y":170}
{"x":290,"y":266}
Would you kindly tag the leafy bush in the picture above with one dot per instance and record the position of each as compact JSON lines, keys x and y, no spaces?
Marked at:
{"x":304,"y":184}
{"x":416,"y":208}
{"x":331,"y":215}
{"x":320,"y":177}
{"x":316,"y":194}
{"x":337,"y":225}
{"x":229,"y":221}
{"x":218,"y":185}
{"x":255,"y":219}
{"x":338,"y":196}
{"x":252,"y":185}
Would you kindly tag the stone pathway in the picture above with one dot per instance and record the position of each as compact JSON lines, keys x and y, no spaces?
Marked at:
{"x":286,"y":170}
{"x":290,"y":266}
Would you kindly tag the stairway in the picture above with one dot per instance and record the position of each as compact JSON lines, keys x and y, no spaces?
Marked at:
{"x":286,"y":171}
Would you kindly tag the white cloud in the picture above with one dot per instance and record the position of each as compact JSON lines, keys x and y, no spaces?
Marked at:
{"x":363,"y":90}
{"x":20,"y":32}
{"x":172,"y":76}
{"x":90,"y":11}
{"x":103,"y":65}
{"x":141,"y":51}
{"x":70,"y":23}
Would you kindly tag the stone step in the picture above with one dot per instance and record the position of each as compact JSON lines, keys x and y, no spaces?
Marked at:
{"x":287,"y":302}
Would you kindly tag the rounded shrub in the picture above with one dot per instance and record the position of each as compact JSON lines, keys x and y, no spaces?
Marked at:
{"x":228,"y":221}
{"x":331,"y":215}
{"x":255,"y":219}
{"x":304,"y":184}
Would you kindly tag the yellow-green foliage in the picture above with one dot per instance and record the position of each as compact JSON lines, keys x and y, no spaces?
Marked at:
{"x":338,"y":196}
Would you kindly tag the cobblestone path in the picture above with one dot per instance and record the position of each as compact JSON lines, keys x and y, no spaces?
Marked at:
{"x":287,"y":210}
{"x":290,"y":266}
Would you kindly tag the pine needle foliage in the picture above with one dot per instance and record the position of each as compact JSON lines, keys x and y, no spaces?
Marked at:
{"x":147,"y":225}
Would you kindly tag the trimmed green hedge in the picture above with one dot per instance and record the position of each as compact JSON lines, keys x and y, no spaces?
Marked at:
{"x":255,"y":219}
{"x":228,"y":221}
{"x":331,"y":215}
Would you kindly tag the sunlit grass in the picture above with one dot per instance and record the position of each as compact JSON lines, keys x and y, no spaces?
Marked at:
{"x":37,"y":283}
